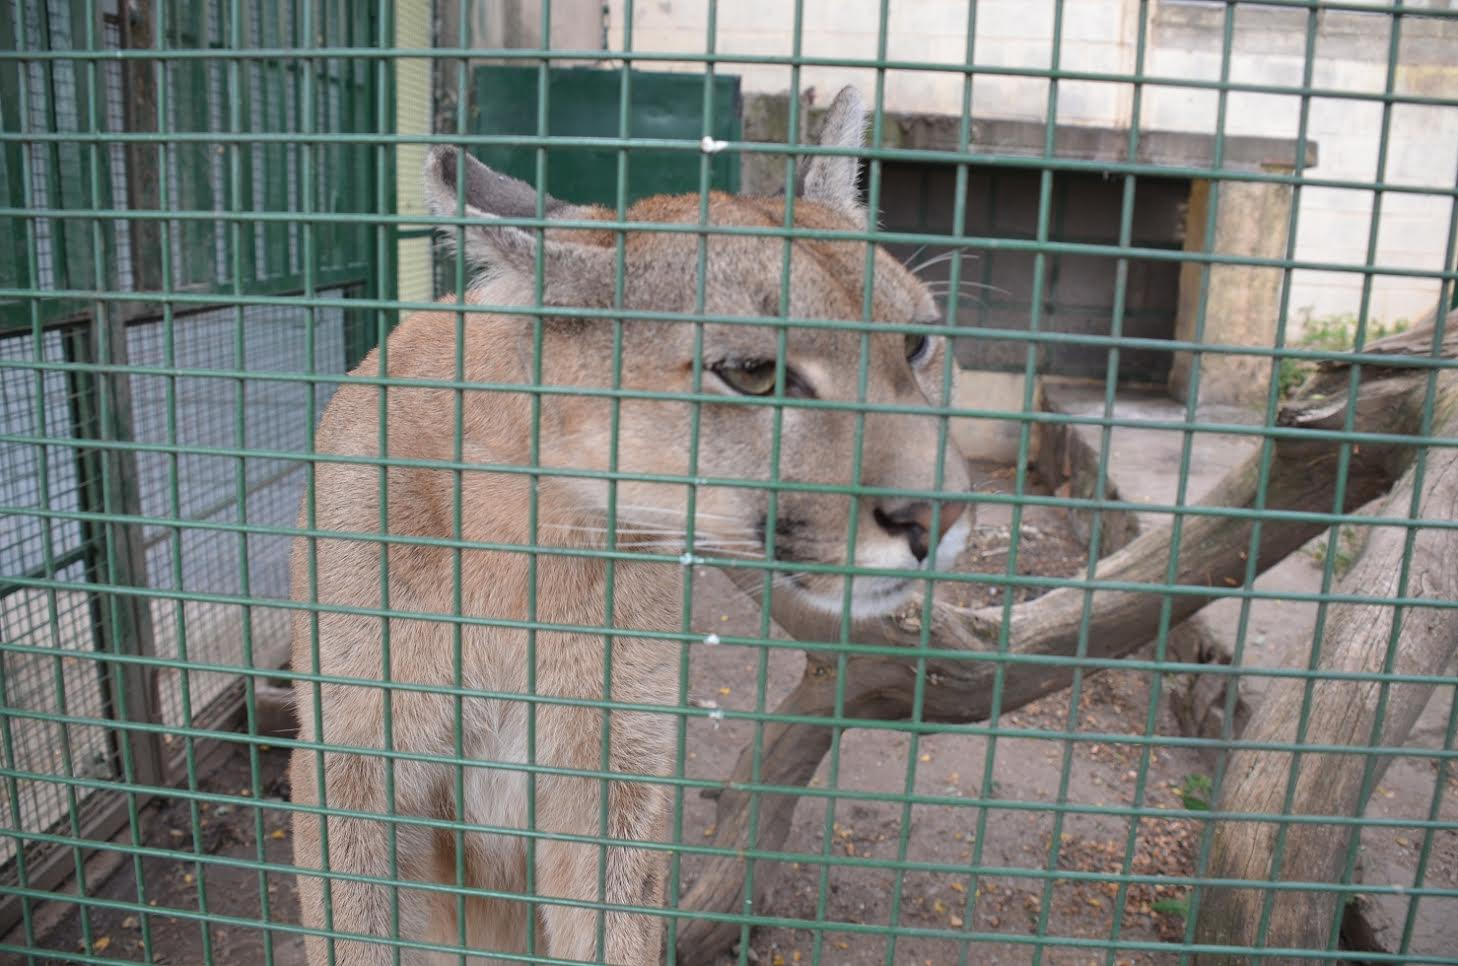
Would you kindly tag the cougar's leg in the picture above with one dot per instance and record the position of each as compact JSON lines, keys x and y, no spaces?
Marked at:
{"x":355,"y":782}
{"x":569,"y":870}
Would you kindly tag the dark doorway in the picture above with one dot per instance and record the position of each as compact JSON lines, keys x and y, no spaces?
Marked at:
{"x":1078,"y":291}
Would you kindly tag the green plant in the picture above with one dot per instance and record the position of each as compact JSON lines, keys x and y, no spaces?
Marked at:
{"x":1291,"y":374}
{"x":1195,"y":792}
{"x":1172,"y":907}
{"x":1331,"y":333}
{"x":1347,"y":546}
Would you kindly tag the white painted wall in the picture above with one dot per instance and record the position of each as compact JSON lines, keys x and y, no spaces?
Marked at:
{"x":1183,"y":41}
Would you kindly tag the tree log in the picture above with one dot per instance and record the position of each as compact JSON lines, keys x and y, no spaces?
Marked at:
{"x":1357,"y":638}
{"x":959,"y":683}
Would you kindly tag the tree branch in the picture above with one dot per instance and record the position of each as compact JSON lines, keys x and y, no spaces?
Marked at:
{"x":1358,"y":638}
{"x":959,"y":682}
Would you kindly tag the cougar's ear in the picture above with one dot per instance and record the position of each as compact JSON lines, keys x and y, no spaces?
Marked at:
{"x":490,"y":195}
{"x":832,"y":180}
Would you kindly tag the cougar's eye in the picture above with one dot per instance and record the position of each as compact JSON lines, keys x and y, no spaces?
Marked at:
{"x":752,"y":378}
{"x":918,"y":347}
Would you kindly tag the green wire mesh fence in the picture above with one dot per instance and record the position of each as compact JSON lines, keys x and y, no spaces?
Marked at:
{"x":1008,"y":521}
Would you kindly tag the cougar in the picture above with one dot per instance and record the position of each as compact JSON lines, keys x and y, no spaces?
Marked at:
{"x":393,"y":690}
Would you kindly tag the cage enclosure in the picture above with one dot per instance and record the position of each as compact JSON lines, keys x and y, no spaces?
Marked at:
{"x":932,"y":481}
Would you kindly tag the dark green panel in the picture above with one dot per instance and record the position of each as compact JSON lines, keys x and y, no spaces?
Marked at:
{"x":360,"y":165}
{"x":14,"y":260}
{"x":584,"y":102}
{"x":328,"y":156}
{"x":71,"y":187}
{"x":189,"y":85}
{"x":201,"y":97}
{"x":273,"y":79}
{"x":68,"y":167}
{"x":60,"y":100}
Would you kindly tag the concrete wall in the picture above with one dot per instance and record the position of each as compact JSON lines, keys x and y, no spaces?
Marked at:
{"x":576,"y":24}
{"x":1183,"y":41}
{"x":992,"y":439}
{"x":412,"y":116}
{"x":1240,"y":300}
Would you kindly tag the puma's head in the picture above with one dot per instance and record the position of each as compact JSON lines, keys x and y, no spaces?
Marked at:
{"x":736,"y":455}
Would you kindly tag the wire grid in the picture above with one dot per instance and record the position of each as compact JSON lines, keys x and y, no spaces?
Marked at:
{"x":202,"y":417}
{"x":38,"y":120}
{"x":49,"y":621}
{"x":232,"y":451}
{"x":115,"y":115}
{"x":199,"y":254}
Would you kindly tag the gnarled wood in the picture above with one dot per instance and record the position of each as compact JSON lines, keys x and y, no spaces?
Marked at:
{"x":959,"y":683}
{"x":1358,"y":638}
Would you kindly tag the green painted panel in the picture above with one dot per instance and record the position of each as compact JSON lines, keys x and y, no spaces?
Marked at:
{"x":585,"y":102}
{"x":14,"y":261}
{"x":57,"y":98}
{"x":191,"y":180}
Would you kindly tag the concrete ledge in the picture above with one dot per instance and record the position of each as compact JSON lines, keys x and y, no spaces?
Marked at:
{"x":991,"y":439}
{"x":766,"y":119}
{"x":1144,"y":461}
{"x":1066,"y":455}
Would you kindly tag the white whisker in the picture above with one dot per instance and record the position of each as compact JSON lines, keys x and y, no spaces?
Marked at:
{"x":709,"y":540}
{"x":729,"y":552}
{"x":938,"y":259}
{"x":940,"y":286}
{"x":636,"y":508}
{"x":656,"y":531}
{"x":934,"y":260}
{"x":701,"y":544}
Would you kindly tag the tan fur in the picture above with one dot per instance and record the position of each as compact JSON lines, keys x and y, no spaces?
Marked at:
{"x":743,"y":278}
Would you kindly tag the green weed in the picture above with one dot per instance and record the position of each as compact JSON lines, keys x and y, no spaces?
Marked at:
{"x":1331,"y":333}
{"x":1195,"y":792}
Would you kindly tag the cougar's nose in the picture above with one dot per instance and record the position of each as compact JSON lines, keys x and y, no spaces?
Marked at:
{"x":914,"y":522}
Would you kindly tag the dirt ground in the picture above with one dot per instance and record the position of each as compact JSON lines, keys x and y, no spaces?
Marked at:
{"x":1026,"y":775}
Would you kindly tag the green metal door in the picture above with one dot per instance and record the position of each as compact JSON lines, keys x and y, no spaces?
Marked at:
{"x":163,"y":315}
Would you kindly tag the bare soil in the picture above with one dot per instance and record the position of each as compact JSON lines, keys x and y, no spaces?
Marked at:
{"x":1008,"y":824}
{"x":193,"y":901}
{"x":1024,"y":779}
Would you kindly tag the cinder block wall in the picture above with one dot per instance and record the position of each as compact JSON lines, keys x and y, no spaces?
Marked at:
{"x":1183,"y":40}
